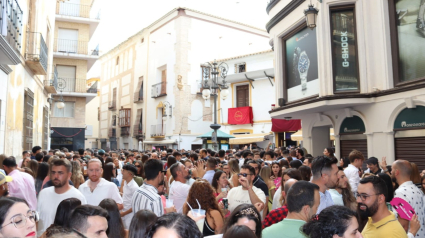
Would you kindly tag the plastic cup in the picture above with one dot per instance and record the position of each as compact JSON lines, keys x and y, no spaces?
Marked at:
{"x":169,"y":203}
{"x":199,"y":223}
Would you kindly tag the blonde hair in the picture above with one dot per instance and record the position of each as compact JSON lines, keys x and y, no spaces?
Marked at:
{"x":234,"y":166}
{"x":265,"y":174}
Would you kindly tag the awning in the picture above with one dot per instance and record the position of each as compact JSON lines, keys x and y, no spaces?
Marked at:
{"x":248,"y":138}
{"x":160,"y":142}
{"x":255,"y":75}
{"x":220,"y":134}
{"x":282,"y":125}
{"x":298,"y":136}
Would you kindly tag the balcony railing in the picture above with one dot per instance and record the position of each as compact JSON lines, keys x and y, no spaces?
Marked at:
{"x":158,"y":130}
{"x":75,"y":10}
{"x":11,"y":23}
{"x":137,"y":131}
{"x":93,"y":88}
{"x":74,"y":47}
{"x":72,"y":85}
{"x":125,"y":131}
{"x":138,"y":96}
{"x":36,"y":53}
{"x":112,"y":132}
{"x":51,"y":85}
{"x":112,"y":105}
{"x":159,"y":89}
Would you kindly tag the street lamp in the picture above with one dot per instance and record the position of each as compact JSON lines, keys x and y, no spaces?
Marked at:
{"x":211,"y":72}
{"x":311,"y":16}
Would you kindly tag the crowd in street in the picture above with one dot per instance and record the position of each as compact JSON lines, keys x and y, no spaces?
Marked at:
{"x":245,"y":193}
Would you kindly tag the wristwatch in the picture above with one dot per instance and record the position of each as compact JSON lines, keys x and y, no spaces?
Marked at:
{"x":295,"y":60}
{"x":303,"y":65}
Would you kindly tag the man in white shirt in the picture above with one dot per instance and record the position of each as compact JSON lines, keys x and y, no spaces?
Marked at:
{"x":49,"y":198}
{"x":401,"y":171}
{"x":246,"y":193}
{"x":179,"y":189}
{"x":129,"y":188}
{"x":352,"y":171}
{"x":325,"y":175}
{"x":97,"y":188}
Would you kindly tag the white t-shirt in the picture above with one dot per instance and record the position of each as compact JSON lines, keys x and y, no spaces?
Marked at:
{"x":127,"y":195}
{"x":48,"y":201}
{"x":104,"y":189}
{"x":276,"y":198}
{"x":178,"y":193}
{"x":238,"y":196}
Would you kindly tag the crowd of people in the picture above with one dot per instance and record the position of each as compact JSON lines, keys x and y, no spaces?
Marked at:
{"x":243,"y":193}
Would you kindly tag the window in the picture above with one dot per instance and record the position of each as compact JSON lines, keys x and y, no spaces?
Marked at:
{"x":113,"y":102}
{"x":240,"y":68}
{"x":124,"y":117}
{"x":138,"y":126}
{"x":138,"y":95}
{"x":67,"y":111}
{"x":143,"y":40}
{"x":242,"y":96}
{"x":407,"y":21}
{"x":28,"y":119}
{"x":114,"y":120}
{"x":67,"y":41}
{"x":301,"y":78}
{"x":45,"y":127}
{"x":118,"y":60}
{"x":344,"y":49}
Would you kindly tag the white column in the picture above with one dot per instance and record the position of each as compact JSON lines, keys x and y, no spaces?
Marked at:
{"x":391,"y":147}
{"x":337,"y":146}
{"x":370,"y":151}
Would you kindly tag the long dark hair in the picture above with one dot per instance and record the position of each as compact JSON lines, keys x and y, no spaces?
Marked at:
{"x":239,"y":231}
{"x":331,"y":152}
{"x":244,"y":210}
{"x":108,"y":171}
{"x":184,"y":226}
{"x":142,"y":170}
{"x":389,"y":183}
{"x":64,"y":210}
{"x":5,"y":204}
{"x":216,"y":177}
{"x":42,"y":172}
{"x":141,"y":223}
{"x":115,"y":225}
{"x":324,"y":224}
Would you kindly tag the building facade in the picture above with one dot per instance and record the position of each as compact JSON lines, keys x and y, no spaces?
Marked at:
{"x":358,"y":72}
{"x":73,"y":55}
{"x":92,"y":120}
{"x":150,"y":83}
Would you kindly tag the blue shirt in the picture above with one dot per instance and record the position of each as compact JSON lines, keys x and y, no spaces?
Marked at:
{"x":325,"y":201}
{"x":209,"y":175}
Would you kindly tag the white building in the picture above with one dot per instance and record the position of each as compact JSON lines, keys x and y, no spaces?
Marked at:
{"x":157,"y":72}
{"x":360,"y":72}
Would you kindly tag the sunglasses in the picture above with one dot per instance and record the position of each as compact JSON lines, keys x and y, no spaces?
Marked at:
{"x":244,"y":174}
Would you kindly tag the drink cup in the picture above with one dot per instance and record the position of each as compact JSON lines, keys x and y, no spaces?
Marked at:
{"x":225,"y":203}
{"x":199,"y":223}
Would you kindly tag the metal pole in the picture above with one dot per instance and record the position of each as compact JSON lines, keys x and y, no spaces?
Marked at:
{"x":215,"y":122}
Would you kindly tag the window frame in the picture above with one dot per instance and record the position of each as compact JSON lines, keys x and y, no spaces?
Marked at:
{"x":66,"y":102}
{"x":395,"y":51}
{"x":338,"y":9}
{"x":236,"y":95}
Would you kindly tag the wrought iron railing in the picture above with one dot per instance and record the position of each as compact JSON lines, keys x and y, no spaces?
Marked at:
{"x":36,"y":49}
{"x":72,"y":85}
{"x":53,"y":79}
{"x":93,"y":88}
{"x":11,"y":23}
{"x":137,"y":131}
{"x":112,"y":132}
{"x":73,"y":47}
{"x":125,"y":131}
{"x":73,"y":10}
{"x":112,"y":104}
{"x":95,"y":51}
{"x":158,"y":130}
{"x":159,"y":89}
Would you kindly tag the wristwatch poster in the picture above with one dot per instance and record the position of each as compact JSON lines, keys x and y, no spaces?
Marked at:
{"x":303,"y":65}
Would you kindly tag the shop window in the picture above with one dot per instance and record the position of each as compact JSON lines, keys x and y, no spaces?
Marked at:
{"x":344,"y":49}
{"x":242,"y":96}
{"x":407,"y":22}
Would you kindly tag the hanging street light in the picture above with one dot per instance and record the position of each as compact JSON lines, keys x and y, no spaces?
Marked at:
{"x":211,"y":72}
{"x":311,"y":16}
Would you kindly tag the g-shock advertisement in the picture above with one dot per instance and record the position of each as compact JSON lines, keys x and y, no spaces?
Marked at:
{"x":411,"y":38}
{"x":301,"y":65}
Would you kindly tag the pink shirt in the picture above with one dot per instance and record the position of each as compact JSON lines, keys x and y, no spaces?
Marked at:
{"x":23,"y":187}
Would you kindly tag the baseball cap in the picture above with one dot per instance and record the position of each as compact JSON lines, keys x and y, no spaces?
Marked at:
{"x":4,"y":178}
{"x":372,"y":160}
{"x":101,"y":152}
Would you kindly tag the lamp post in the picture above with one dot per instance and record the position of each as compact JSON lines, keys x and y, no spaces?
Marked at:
{"x":211,"y":72}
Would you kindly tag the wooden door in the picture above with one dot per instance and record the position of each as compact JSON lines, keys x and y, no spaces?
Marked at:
{"x":242,"y":96}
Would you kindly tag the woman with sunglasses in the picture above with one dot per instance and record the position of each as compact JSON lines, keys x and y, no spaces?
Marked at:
{"x":16,"y":218}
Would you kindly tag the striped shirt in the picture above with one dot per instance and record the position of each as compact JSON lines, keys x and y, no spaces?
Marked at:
{"x":146,"y":197}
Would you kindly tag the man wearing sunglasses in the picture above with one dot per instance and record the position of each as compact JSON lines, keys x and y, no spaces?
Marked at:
{"x":246,"y":193}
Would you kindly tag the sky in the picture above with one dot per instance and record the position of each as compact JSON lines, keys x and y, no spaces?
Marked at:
{"x":121,"y":19}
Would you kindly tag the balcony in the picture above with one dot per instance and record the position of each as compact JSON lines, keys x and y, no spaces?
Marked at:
{"x":36,"y":53}
{"x":78,"y":13}
{"x":75,"y":49}
{"x":112,"y":132}
{"x":137,"y":131}
{"x":124,"y":117}
{"x":93,"y":88}
{"x":112,"y":105}
{"x":51,"y":85}
{"x":125,"y":131}
{"x":138,"y":96}
{"x":10,"y":32}
{"x":158,"y":131}
{"x":159,"y":90}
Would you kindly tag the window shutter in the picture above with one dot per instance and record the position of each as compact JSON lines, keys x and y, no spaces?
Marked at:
{"x":242,"y":96}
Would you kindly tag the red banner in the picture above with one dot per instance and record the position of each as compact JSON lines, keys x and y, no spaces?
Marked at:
{"x":240,"y":115}
{"x":282,"y":125}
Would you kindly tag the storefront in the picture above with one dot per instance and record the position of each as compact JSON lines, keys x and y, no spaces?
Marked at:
{"x":409,"y":136}
{"x":70,"y":138}
{"x":352,"y":136}
{"x":222,"y":138}
{"x":284,"y":129}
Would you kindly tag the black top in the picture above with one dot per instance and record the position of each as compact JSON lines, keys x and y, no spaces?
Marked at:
{"x":259,"y":183}
{"x":208,"y":231}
